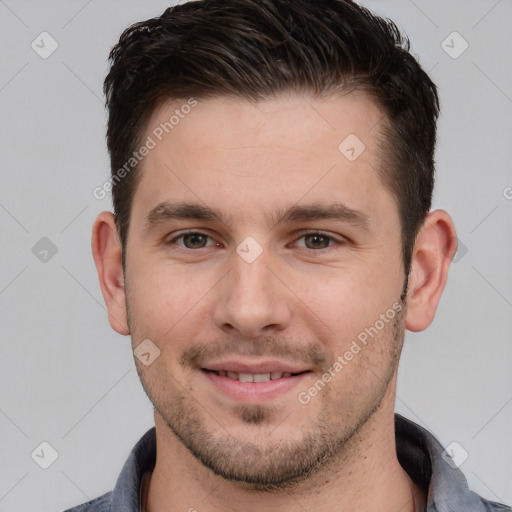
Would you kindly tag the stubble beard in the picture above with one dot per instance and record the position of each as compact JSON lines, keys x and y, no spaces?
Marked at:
{"x":282,"y":464}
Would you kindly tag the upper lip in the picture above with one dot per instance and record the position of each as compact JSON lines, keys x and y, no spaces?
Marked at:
{"x":268,"y":366}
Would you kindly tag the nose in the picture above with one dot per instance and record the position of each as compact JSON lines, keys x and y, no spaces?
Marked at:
{"x":252,"y":298}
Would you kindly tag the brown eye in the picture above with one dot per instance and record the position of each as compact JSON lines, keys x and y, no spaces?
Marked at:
{"x":194,"y":240}
{"x":317,"y":241}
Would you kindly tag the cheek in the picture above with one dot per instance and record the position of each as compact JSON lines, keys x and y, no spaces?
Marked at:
{"x":164,"y":301}
{"x":346,"y":303}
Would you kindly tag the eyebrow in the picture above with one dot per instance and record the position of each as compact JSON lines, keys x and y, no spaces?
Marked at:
{"x":311,"y":212}
{"x":167,"y":211}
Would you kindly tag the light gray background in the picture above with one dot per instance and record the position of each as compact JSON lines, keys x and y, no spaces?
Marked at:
{"x":66,"y":378}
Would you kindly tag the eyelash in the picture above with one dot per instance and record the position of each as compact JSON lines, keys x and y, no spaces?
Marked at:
{"x":301,"y":234}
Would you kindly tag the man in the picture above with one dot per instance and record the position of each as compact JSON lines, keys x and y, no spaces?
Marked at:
{"x":272,"y":239}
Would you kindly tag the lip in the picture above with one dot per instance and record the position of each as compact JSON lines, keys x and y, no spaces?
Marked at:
{"x":254,"y":392}
{"x":267,"y":366}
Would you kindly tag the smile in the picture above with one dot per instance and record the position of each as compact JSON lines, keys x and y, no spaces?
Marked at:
{"x":253,"y":377}
{"x":252,"y":388}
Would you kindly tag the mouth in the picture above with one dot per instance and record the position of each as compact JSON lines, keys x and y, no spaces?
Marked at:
{"x":262,"y":384}
{"x":255,"y":377}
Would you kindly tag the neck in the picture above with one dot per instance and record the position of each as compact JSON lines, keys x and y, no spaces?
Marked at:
{"x":365,"y":476}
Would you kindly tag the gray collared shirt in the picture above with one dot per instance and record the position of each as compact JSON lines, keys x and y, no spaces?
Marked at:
{"x":418,"y":451}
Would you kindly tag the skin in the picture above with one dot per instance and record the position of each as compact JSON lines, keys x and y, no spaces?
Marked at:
{"x":303,"y":300}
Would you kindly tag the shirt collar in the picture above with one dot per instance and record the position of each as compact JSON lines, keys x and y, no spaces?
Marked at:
{"x":126,"y":493}
{"x":421,"y":455}
{"x":418,"y":452}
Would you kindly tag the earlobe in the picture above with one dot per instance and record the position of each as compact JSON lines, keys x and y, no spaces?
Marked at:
{"x":434,"y":248}
{"x":106,"y":250}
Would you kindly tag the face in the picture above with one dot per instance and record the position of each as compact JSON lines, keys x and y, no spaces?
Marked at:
{"x":264,"y":263}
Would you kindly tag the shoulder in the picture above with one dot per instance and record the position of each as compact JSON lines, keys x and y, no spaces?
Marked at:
{"x":426,"y":461}
{"x":100,"y":504}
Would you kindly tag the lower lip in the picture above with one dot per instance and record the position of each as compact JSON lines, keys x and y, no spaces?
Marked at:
{"x":253,"y":392}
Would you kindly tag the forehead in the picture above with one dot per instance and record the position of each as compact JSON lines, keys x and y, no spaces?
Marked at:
{"x":276,"y":151}
{"x":299,"y":122}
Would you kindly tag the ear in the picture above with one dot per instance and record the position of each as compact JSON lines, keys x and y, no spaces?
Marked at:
{"x":434,"y":249}
{"x":106,"y":250}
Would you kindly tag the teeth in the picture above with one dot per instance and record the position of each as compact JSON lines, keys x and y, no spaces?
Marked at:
{"x":261,"y":377}
{"x":253,"y":377}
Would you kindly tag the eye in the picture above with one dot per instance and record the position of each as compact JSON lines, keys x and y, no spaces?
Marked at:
{"x":191,"y":240}
{"x":316,"y":240}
